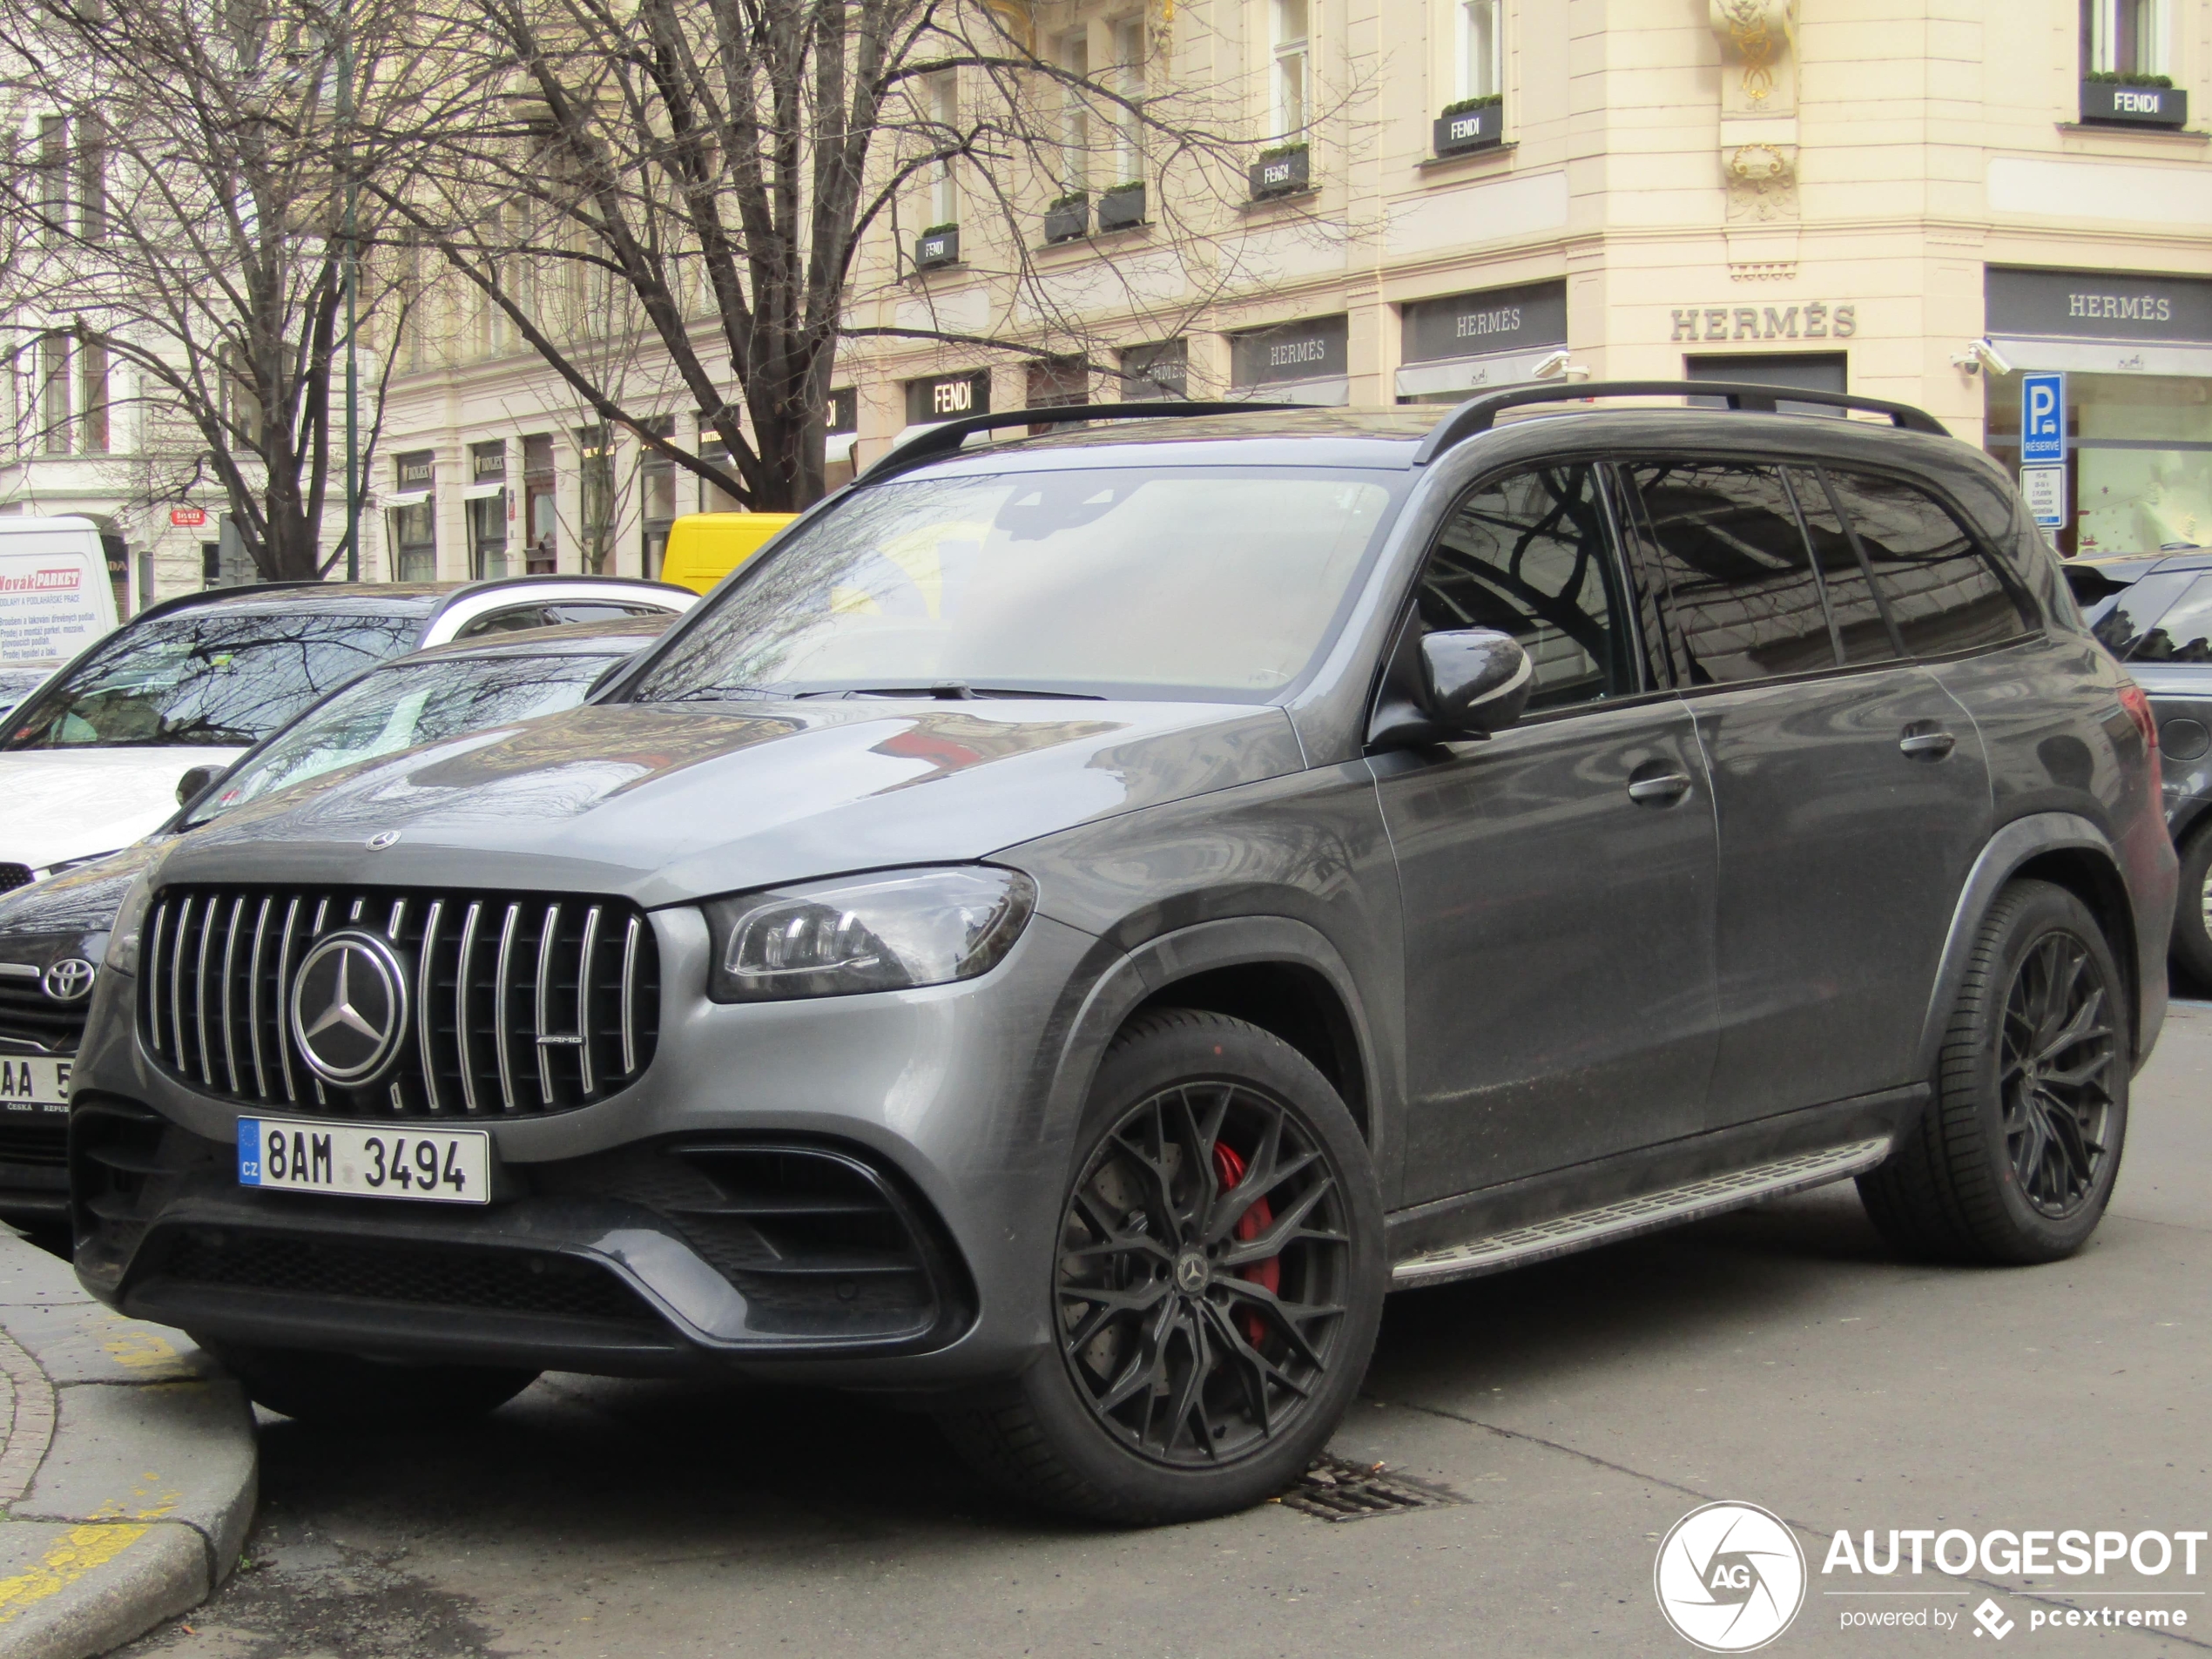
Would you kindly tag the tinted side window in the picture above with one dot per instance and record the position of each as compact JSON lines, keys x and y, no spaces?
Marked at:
{"x":1529,"y":555}
{"x":514,"y":620}
{"x":2177,"y":632}
{"x":601,"y":611}
{"x":1940,"y":587}
{"x":1745,"y":601}
{"x":1861,"y":629}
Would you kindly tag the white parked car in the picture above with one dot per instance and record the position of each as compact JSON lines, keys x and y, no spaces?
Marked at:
{"x":93,"y":759}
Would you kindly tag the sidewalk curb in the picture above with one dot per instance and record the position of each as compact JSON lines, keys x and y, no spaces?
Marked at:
{"x":127,"y":1472}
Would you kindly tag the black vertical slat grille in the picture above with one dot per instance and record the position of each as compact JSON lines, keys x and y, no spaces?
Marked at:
{"x":519,"y":1005}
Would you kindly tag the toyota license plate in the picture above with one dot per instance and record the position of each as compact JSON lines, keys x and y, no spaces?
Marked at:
{"x":439,"y":1165}
{"x":27,"y":1083}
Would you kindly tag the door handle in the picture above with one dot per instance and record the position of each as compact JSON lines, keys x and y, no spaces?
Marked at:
{"x":1662,"y":790}
{"x":1927,"y":746}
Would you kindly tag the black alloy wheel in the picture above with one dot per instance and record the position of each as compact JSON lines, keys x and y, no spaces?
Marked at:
{"x":2014,"y":1158}
{"x":2192,"y":940}
{"x":2056,"y":1061}
{"x":1213,"y":1290}
{"x":1204,"y":1261}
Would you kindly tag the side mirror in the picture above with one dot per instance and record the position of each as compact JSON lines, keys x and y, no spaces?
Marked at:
{"x":1479,"y":679}
{"x":1448,"y":686}
{"x":193,"y":784}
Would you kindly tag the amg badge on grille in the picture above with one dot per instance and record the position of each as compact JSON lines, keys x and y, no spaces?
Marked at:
{"x":349,"y":1007}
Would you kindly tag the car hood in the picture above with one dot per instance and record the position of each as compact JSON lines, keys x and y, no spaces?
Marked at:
{"x":662,"y":805}
{"x":72,"y":911}
{"x":64,"y":804}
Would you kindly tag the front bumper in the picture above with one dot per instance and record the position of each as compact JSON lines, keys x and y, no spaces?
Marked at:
{"x":860,"y":1190}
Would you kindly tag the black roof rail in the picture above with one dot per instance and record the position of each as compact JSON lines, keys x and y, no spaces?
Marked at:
{"x":1480,"y":414}
{"x":947,"y":437}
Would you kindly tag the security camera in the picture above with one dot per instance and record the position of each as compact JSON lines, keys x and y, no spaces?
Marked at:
{"x":1551,"y":368}
{"x":1981,"y":354}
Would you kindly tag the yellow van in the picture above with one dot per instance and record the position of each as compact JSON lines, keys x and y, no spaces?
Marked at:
{"x":703,"y":548}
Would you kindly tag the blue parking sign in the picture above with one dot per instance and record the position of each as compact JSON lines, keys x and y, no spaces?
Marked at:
{"x":2042,"y":419}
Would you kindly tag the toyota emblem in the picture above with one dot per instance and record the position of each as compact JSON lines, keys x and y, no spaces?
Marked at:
{"x":349,"y":1008}
{"x":69,"y":980}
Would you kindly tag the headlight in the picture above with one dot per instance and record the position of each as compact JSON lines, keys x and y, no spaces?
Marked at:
{"x":872,"y":933}
{"x":130,"y":921}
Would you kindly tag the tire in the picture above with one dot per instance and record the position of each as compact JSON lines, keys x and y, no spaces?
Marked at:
{"x":2014,"y":1157}
{"x":2192,"y":942}
{"x":1262,"y":1355}
{"x":346,"y":1391}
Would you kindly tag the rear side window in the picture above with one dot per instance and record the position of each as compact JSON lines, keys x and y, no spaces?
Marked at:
{"x":514,"y":619}
{"x":1746,"y":603}
{"x":1861,"y":630}
{"x":1529,"y":555}
{"x":2163,"y":618}
{"x":1941,"y":589}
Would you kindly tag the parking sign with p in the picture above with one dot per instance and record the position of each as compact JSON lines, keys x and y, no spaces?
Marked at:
{"x":2042,"y":420}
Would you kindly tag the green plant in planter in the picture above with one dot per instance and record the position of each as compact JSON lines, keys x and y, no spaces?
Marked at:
{"x":2126,"y":77}
{"x":1282,"y":150}
{"x":939,"y":230}
{"x":1073,"y":198}
{"x":1468,"y":105}
{"x":1126,"y":183}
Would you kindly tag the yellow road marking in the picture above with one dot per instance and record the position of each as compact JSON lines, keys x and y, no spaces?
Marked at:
{"x":81,"y":1550}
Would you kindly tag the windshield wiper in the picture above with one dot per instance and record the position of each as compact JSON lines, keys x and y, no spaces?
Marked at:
{"x":956,"y":691}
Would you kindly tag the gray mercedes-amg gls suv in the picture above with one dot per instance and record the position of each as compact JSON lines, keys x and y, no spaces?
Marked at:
{"x":1078,"y":920}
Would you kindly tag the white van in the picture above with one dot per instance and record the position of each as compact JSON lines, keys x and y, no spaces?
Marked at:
{"x":54,"y":595}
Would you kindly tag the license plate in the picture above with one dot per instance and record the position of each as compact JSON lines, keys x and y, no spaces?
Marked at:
{"x":439,"y":1165}
{"x":27,"y":1083}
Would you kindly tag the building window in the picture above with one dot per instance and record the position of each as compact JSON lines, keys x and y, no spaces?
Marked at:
{"x":1292,"y":65}
{"x":655,"y":498}
{"x":488,"y":546}
{"x":1481,"y":63}
{"x":1152,"y":372}
{"x":943,"y":92}
{"x":1129,"y":53}
{"x":2125,"y":36}
{"x":91,"y":178}
{"x":93,"y":397}
{"x":1058,"y":383}
{"x":595,"y":497}
{"x":1074,"y":131}
{"x":53,"y":179}
{"x":541,"y":551}
{"x":53,"y":394}
{"x":414,"y":517}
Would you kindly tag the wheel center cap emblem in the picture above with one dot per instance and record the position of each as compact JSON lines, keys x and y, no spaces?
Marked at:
{"x":349,"y":1008}
{"x":1191,"y":1273}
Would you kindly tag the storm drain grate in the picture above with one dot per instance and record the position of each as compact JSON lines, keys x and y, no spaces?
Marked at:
{"x":1337,"y":1490}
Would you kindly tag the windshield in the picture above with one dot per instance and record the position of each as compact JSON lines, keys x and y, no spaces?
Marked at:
{"x":2162,"y":618}
{"x":405,"y":705}
{"x":208,"y":679}
{"x":1212,"y":583}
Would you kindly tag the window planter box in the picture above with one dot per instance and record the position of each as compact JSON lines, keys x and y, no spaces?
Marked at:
{"x":938,"y":247}
{"x":2141,"y":106}
{"x":1069,"y":220}
{"x":1119,"y":209}
{"x":1483,"y":129}
{"x":1282,"y":175}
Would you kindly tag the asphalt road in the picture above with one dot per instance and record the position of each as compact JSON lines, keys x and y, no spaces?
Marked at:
{"x":1578,"y":1410}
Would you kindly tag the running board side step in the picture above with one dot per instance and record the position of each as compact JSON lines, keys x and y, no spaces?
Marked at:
{"x":1562,"y":1235}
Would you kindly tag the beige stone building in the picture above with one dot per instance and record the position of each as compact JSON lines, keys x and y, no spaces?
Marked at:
{"x":1917,"y":199}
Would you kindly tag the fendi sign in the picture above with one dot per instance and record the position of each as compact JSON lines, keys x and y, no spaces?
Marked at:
{"x":1818,"y":320}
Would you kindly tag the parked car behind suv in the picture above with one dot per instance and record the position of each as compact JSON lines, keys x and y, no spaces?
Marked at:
{"x":2155,"y":613}
{"x":92,"y":762}
{"x":1080,"y":920}
{"x":54,"y":934}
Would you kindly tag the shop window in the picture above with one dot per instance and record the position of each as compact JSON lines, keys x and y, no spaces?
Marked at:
{"x":655,"y":498}
{"x":1060,"y":383}
{"x":1150,"y":373}
{"x":541,"y":551}
{"x":2138,"y":460}
{"x":1292,"y":20}
{"x":412,"y":514}
{"x":488,"y":554}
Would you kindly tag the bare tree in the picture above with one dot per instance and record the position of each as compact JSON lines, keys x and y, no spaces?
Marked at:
{"x":719,"y":167}
{"x":200,"y":239}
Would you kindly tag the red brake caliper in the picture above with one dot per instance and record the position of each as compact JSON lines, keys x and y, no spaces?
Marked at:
{"x":1268,"y":1275}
